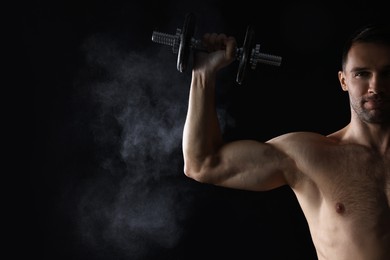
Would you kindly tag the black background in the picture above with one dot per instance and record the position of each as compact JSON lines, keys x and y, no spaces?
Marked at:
{"x":106,"y":179}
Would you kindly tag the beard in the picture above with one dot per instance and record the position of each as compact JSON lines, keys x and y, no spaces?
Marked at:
{"x":372,"y":109}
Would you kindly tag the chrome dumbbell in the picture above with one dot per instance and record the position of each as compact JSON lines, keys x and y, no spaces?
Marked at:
{"x":183,"y":42}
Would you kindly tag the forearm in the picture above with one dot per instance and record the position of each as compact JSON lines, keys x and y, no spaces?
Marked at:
{"x":202,"y":135}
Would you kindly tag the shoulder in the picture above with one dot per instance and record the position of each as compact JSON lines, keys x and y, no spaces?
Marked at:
{"x":304,"y":147}
{"x":308,"y":151}
{"x":298,"y":140}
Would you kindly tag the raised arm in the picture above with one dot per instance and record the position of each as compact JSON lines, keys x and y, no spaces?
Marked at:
{"x":248,"y":165}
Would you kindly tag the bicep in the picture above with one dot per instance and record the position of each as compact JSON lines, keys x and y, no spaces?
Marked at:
{"x":249,"y":165}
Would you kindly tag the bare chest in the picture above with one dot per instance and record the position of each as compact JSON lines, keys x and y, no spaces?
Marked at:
{"x":357,"y":186}
{"x":346,"y":199}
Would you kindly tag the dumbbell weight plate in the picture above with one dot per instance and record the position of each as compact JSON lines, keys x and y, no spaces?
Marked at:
{"x":244,"y":61}
{"x":185,"y":42}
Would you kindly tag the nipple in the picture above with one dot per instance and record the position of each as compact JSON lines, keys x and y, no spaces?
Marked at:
{"x":340,"y":208}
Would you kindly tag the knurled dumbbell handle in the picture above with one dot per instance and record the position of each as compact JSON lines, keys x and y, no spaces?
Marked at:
{"x":174,"y":42}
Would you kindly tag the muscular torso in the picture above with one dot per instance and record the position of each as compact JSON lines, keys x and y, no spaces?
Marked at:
{"x":344,"y":192}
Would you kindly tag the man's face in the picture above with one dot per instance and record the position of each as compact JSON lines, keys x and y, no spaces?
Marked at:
{"x":367,"y":79}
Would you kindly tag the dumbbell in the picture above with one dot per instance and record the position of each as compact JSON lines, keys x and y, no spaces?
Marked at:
{"x":183,"y":42}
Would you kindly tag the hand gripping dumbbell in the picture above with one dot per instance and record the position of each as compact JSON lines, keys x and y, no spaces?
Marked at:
{"x":183,"y":42}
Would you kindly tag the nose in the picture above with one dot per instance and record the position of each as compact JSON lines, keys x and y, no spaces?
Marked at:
{"x":379,"y":83}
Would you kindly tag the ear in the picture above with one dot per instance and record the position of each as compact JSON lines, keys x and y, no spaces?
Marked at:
{"x":342,"y":80}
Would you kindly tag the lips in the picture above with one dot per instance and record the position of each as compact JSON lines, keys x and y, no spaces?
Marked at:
{"x":375,"y":103}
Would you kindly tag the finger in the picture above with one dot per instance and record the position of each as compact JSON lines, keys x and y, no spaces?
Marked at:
{"x":220,"y":41}
{"x":206,"y":41}
{"x":231,"y":47}
{"x":213,"y":41}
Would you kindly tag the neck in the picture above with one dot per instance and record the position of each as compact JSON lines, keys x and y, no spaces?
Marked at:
{"x":375,"y":136}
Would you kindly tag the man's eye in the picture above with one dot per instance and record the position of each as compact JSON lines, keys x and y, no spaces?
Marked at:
{"x":360,"y":74}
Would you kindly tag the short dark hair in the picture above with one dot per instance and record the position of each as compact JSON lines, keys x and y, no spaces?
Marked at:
{"x":370,"y":33}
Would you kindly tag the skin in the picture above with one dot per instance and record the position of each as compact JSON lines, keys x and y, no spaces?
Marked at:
{"x":341,"y":181}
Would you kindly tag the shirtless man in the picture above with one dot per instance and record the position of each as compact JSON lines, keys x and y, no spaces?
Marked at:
{"x":341,"y":181}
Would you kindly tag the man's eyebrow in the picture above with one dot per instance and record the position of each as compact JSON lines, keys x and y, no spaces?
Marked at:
{"x":354,"y":69}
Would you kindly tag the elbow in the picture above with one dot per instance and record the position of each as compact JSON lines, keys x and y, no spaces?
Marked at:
{"x":194,"y":173}
{"x":204,"y":170}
